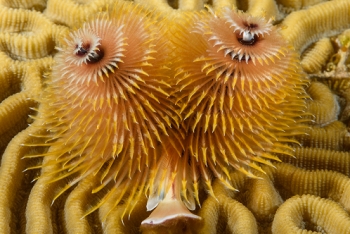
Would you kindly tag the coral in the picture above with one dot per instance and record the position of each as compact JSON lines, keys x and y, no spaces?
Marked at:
{"x":321,"y":183}
{"x":73,"y":12}
{"x":24,"y":77}
{"x":26,"y":34}
{"x":298,"y":4}
{"x":317,"y":175}
{"x":224,"y":3}
{"x":21,"y":83}
{"x":317,"y":56}
{"x":332,"y":137}
{"x":265,"y":8}
{"x":225,"y":214}
{"x":324,"y":159}
{"x":339,"y":64}
{"x":324,"y":19}
{"x":324,"y":105}
{"x":38,"y":5}
{"x":294,"y":216}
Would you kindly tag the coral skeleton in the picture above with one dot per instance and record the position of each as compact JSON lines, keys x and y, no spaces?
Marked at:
{"x":154,"y":108}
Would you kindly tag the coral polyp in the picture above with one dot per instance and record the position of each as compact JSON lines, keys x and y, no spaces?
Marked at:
{"x":240,"y":91}
{"x":106,"y":107}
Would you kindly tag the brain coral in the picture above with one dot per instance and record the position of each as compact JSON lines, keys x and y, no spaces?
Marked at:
{"x":295,"y":195}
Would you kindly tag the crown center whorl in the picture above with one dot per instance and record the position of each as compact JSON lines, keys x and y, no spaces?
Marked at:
{"x":93,"y":55}
{"x":96,"y":56}
{"x":247,"y":38}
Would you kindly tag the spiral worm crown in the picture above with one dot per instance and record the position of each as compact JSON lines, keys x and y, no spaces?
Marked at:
{"x":240,"y":92}
{"x":107,"y":106}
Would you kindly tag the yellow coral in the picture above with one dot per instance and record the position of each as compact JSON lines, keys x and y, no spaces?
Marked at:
{"x":310,"y":213}
{"x":73,"y":13}
{"x":318,"y":21}
{"x":332,"y":137}
{"x":25,"y":34}
{"x":37,"y":5}
{"x":323,"y":104}
{"x":298,"y":4}
{"x":22,"y":73}
{"x":324,"y":159}
{"x":315,"y":58}
{"x":225,"y":213}
{"x":263,"y":8}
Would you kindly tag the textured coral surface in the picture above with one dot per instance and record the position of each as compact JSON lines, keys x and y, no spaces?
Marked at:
{"x":307,"y":192}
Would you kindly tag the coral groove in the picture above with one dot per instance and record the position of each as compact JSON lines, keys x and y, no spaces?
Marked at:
{"x":309,"y":191}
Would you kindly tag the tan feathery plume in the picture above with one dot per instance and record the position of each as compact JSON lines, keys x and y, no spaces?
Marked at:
{"x":106,"y":108}
{"x":240,"y":91}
